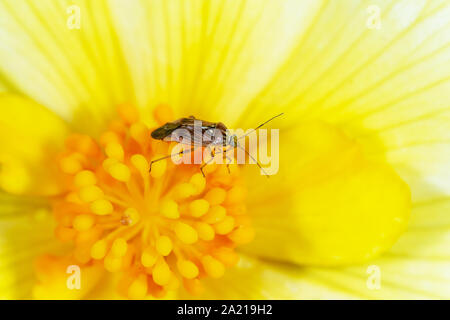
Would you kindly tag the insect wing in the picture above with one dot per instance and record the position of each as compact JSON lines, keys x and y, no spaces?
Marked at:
{"x":165,"y":131}
{"x":181,"y":135}
{"x":198,"y":136}
{"x":190,"y":135}
{"x":184,"y":130}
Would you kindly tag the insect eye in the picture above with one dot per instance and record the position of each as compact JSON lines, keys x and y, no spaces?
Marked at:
{"x":210,"y":134}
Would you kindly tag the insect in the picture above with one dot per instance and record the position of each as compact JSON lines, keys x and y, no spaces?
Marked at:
{"x":209,"y":134}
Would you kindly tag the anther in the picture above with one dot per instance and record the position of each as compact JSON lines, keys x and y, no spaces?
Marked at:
{"x":140,"y":133}
{"x":138,"y":288}
{"x":149,"y":257}
{"x":108,"y":162}
{"x":215,"y":214}
{"x":205,"y":231}
{"x":120,"y":172}
{"x":187,"y":269}
{"x":102,"y":207}
{"x":161,"y":273}
{"x":198,"y":182}
{"x":99,"y":249}
{"x":114,"y":150}
{"x":186,"y":233}
{"x":227,"y":256}
{"x":198,"y":208}
{"x":242,"y":235}
{"x":216,"y":196}
{"x":225,"y":226}
{"x":163,"y":245}
{"x":169,"y":209}
{"x":112,"y":263}
{"x":213,"y":267}
{"x":184,"y":190}
{"x":83,"y":222}
{"x":140,"y":163}
{"x":109,"y":137}
{"x":157,"y":168}
{"x":131,"y":216}
{"x":70,"y":165}
{"x":85,"y":178}
{"x":236,"y":195}
{"x":90,"y":193}
{"x":119,"y":247}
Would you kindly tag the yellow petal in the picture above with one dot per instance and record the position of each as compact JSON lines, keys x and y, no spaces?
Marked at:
{"x":255,"y":279}
{"x":30,"y":136}
{"x":392,"y":277}
{"x":66,"y":68}
{"x":387,"y":88}
{"x":416,"y":267}
{"x":26,"y":229}
{"x":374,"y":84}
{"x":342,"y":69}
{"x":428,"y":235}
{"x":106,"y":289}
{"x":61,"y":278}
{"x":207,"y":58}
{"x":328,"y":205}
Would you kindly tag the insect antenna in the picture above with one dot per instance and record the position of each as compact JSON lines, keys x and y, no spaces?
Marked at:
{"x":260,"y":125}
{"x":251,"y":157}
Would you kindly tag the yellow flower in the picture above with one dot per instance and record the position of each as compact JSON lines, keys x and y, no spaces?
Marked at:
{"x":364,"y":153}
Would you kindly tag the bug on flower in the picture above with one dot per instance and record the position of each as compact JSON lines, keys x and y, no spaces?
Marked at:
{"x":209,"y":134}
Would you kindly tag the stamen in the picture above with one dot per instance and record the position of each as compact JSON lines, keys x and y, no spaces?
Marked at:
{"x":159,"y":229}
{"x":216,"y":196}
{"x":169,"y":209}
{"x":213,"y":267}
{"x":120,"y":172}
{"x":84,"y":178}
{"x":114,"y":150}
{"x":99,"y":249}
{"x":131,"y":216}
{"x":187,"y":269}
{"x":119,"y":247}
{"x":102,"y":207}
{"x":83,"y":222}
{"x":138,"y":288}
{"x":161,"y":273}
{"x":163,"y":245}
{"x":198,"y":208}
{"x":141,"y":164}
{"x":70,"y":165}
{"x":215,"y":214}
{"x":90,"y":193}
{"x":186,"y":233}
{"x":205,"y":231}
{"x":149,"y":257}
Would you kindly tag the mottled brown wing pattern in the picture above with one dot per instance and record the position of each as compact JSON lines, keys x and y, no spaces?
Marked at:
{"x":165,"y":130}
{"x":182,"y":130}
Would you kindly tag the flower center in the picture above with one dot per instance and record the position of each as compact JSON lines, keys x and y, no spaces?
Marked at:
{"x":159,"y":229}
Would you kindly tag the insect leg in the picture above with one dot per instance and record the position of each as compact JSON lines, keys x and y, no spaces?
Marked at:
{"x":251,"y":157}
{"x":213,"y":154}
{"x":170,"y":155}
{"x":228,"y":164}
{"x":229,"y":160}
{"x":208,"y":161}
{"x":204,"y":165}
